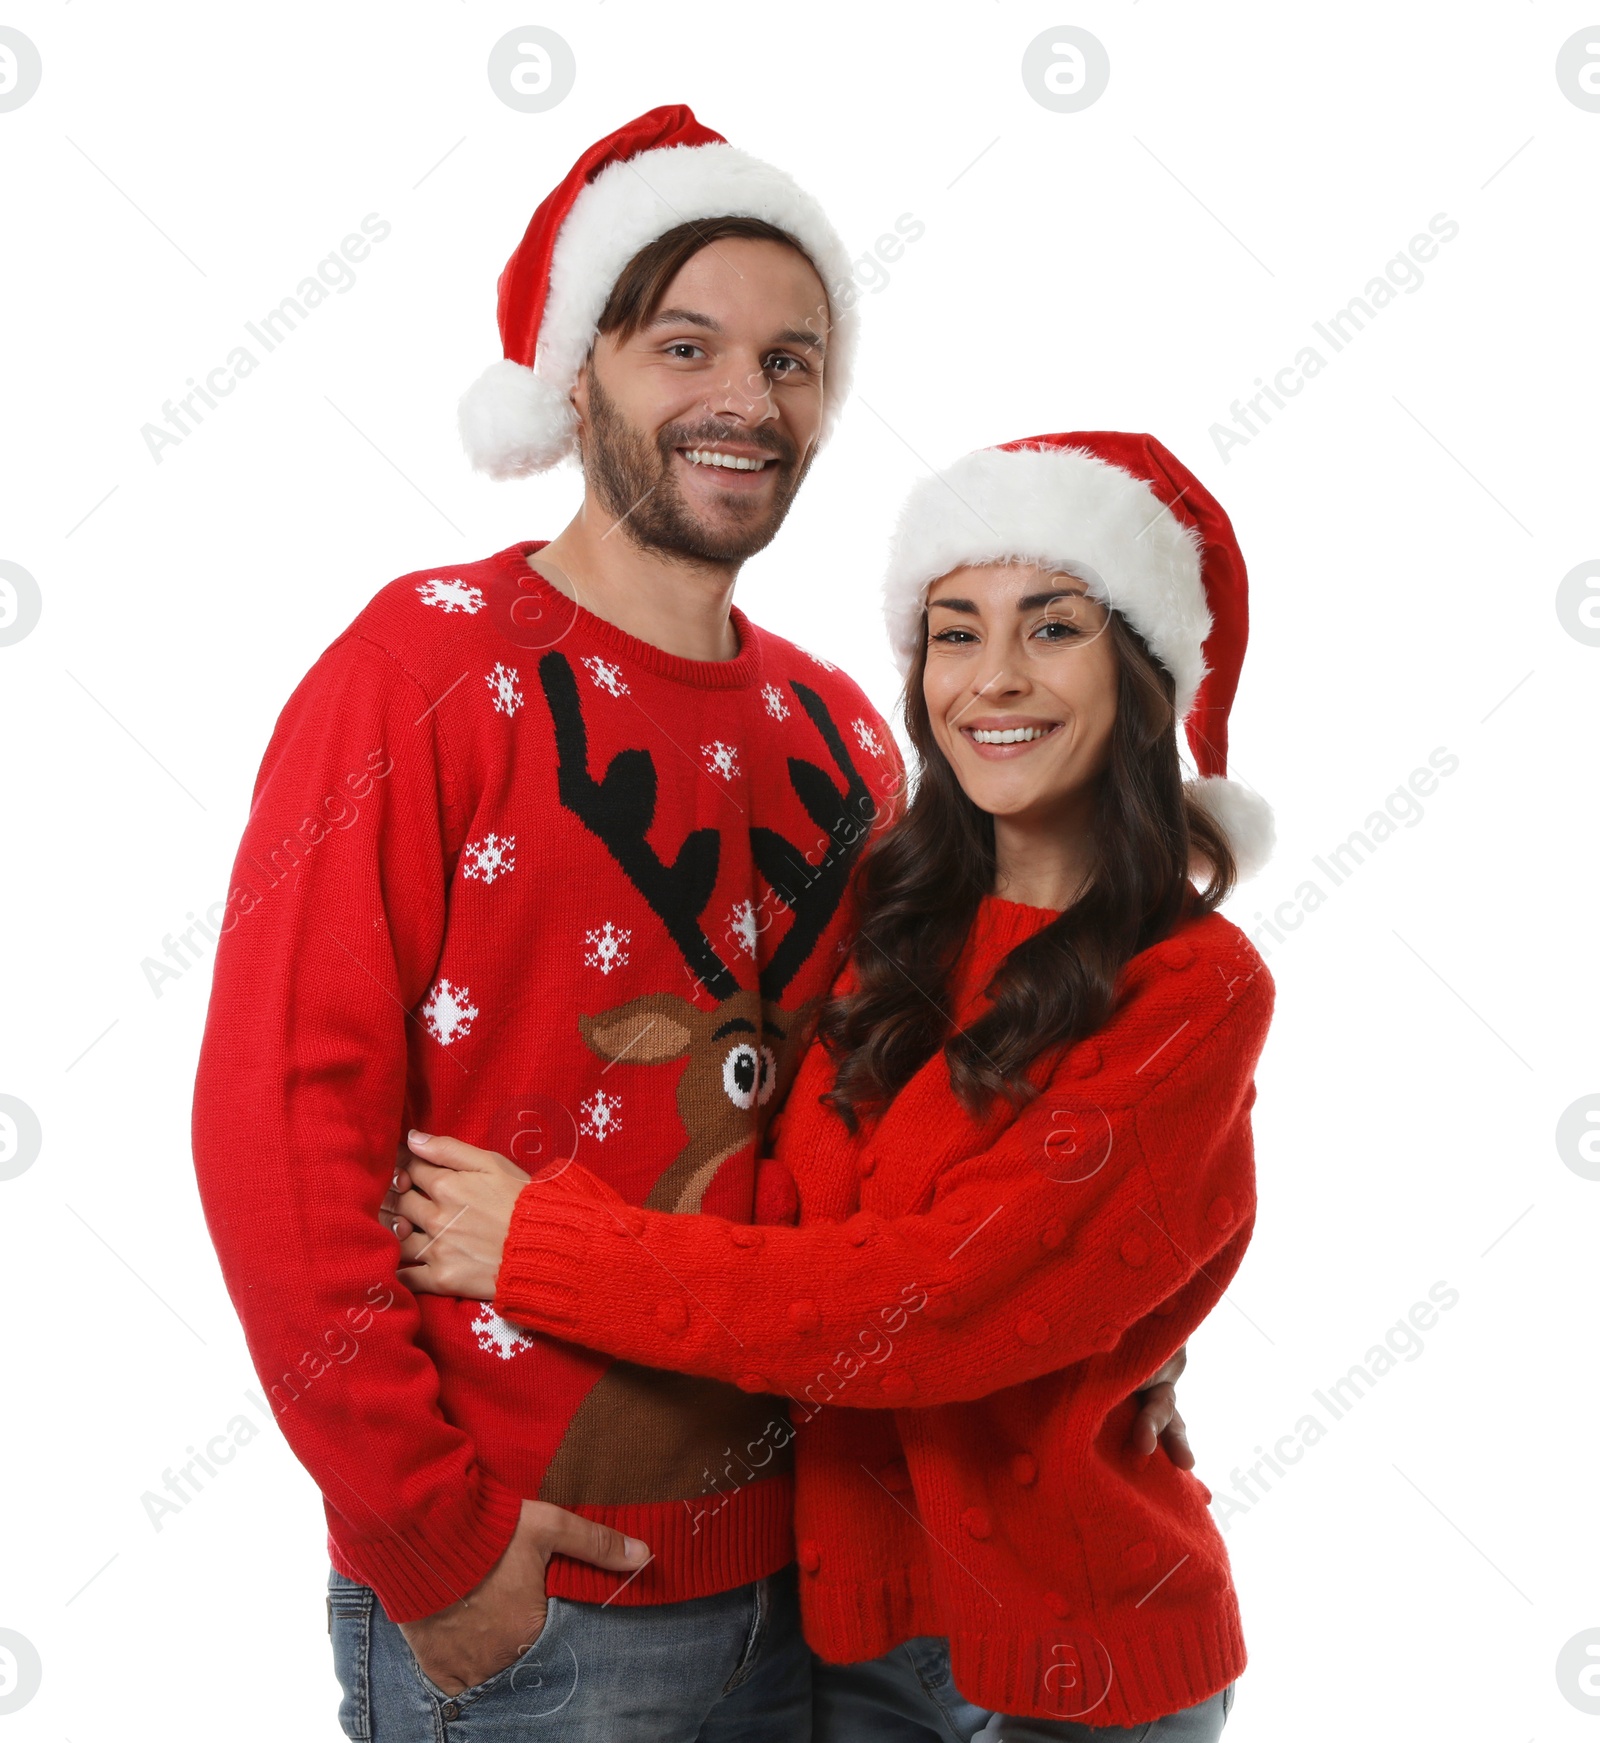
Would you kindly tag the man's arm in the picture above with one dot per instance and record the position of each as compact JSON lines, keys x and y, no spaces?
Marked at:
{"x":334,"y":923}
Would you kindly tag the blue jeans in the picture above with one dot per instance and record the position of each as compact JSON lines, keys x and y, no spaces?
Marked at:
{"x":907,"y":1697}
{"x":732,"y":1668}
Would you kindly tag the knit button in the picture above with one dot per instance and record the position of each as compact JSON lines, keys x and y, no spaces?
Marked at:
{"x":671,"y":1315}
{"x":859,"y":1230}
{"x":865,"y":1163}
{"x":1084,"y":1060}
{"x":1176,"y":953}
{"x":1033,"y":1329}
{"x":940,"y":1307}
{"x":1167,"y":1307}
{"x":1135,"y":1250}
{"x":629,"y":1224}
{"x":1220,"y":1212}
{"x":752,"y":1383}
{"x":897,"y":1385}
{"x":1053,"y":1233}
{"x":803,"y":1315}
{"x":977,"y":1522}
{"x":1139,"y":1556}
{"x":1107,"y":1333}
{"x":1055,"y":1604}
{"x":743,"y":1235}
{"x":1024,"y":1469}
{"x":958,"y":1213}
{"x":896,"y":1476}
{"x":809,"y":1557}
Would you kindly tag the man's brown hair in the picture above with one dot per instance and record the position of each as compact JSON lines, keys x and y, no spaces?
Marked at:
{"x":642,"y":283}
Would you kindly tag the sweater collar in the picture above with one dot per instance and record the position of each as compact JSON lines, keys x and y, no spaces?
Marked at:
{"x":997,"y":929}
{"x":739,"y":673}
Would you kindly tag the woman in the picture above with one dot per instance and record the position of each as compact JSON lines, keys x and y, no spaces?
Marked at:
{"x":1020,"y":1139}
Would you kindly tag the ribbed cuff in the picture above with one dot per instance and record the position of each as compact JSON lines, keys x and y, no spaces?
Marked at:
{"x":550,"y":1258}
{"x":416,"y":1572}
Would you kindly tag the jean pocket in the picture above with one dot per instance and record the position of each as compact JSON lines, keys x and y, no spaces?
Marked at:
{"x":511,"y":1675}
{"x":350,"y":1631}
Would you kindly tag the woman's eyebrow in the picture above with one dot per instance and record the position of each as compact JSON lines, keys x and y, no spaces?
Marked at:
{"x":1029,"y":601}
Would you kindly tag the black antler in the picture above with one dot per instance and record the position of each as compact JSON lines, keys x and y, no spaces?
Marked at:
{"x":813,"y":892}
{"x":619,"y":808}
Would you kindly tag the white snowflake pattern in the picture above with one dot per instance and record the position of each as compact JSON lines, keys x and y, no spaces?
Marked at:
{"x":742,"y":926}
{"x":606,"y":676}
{"x":490,"y":858}
{"x":776,"y":706}
{"x":503,"y":682}
{"x":449,"y":1012}
{"x":499,"y":1336}
{"x":867,"y":738}
{"x":826,"y":665}
{"x":452,"y":595}
{"x":608,"y":947}
{"x":600,"y":1116}
{"x":721,"y":759}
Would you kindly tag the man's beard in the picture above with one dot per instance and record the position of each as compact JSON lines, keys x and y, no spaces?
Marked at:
{"x":634,"y":480}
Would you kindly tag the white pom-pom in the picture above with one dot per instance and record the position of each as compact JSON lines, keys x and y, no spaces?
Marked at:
{"x":514,"y":423}
{"x":1242,"y":815}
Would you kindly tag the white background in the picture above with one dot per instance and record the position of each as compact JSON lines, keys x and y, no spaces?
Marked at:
{"x":1136,"y":265}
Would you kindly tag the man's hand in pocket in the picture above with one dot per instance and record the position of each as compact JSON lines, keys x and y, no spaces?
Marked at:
{"x":494,"y":1625}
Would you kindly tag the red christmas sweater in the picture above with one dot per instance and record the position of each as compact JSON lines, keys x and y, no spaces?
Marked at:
{"x":961,"y":1321}
{"x":513,"y":874}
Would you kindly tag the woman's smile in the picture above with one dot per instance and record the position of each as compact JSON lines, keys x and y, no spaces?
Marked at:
{"x":1001,"y":738}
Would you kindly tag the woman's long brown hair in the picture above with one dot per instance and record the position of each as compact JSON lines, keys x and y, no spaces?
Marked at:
{"x":921,"y":881}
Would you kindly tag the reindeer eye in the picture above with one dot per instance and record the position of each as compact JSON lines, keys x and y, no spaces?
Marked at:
{"x":769,"y":1075}
{"x":741,"y":1072}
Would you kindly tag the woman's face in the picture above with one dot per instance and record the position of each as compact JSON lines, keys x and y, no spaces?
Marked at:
{"x":1021,"y":687}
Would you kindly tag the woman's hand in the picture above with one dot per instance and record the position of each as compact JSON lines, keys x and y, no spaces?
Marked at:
{"x":451,"y":1206}
{"x":1158,"y":1422}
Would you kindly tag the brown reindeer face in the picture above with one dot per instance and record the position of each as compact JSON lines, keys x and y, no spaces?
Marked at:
{"x":742,"y":1056}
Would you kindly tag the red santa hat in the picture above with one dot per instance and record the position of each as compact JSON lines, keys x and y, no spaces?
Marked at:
{"x":1152,"y":542}
{"x":659,"y":171}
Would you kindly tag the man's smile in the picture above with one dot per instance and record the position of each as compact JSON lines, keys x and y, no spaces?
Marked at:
{"x":731,"y":468}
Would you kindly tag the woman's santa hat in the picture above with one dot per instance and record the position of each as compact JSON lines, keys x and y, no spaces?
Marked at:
{"x":660,"y":171}
{"x":1151,"y":541}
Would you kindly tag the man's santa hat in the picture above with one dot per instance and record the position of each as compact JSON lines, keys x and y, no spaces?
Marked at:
{"x":660,"y":171}
{"x":1151,"y":541}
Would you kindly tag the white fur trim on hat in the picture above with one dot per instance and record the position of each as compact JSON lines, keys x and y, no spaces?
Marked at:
{"x":1061,"y":508}
{"x":511,"y":428}
{"x":514,"y":423}
{"x":1242,"y":815}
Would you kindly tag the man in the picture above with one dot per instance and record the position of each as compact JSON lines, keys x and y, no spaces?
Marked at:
{"x":553,"y":851}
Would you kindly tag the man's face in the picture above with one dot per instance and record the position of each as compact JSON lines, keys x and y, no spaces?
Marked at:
{"x":698,"y":429}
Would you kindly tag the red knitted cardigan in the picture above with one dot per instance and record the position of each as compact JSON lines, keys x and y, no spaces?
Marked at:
{"x":959,"y":1322}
